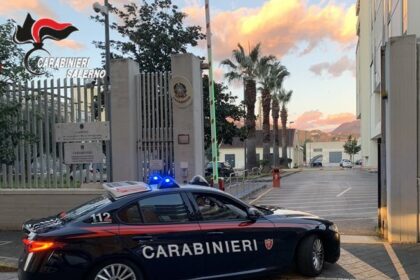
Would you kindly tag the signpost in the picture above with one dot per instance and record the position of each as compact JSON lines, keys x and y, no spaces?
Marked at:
{"x":78,"y":132}
{"x":79,"y":153}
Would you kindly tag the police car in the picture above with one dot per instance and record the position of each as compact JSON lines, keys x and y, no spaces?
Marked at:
{"x":161,"y":230}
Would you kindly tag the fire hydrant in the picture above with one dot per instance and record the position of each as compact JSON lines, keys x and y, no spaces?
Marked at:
{"x":276,"y":177}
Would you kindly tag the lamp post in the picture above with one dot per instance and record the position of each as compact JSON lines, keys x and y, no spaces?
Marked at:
{"x":104,"y":10}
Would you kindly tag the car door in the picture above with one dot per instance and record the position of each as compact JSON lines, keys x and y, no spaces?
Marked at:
{"x":233,"y":243}
{"x":159,"y":231}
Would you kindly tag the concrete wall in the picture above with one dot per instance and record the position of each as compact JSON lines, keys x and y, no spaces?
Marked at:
{"x":402,"y":140}
{"x":124,"y":120}
{"x":18,"y":206}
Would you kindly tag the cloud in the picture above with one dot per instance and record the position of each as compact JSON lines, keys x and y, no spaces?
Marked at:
{"x":70,"y":44}
{"x":335,"y":69}
{"x":86,"y":5}
{"x":10,"y":8}
{"x":279,"y":25}
{"x":317,"y":120}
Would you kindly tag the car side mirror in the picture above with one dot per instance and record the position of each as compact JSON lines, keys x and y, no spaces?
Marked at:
{"x":253,"y":214}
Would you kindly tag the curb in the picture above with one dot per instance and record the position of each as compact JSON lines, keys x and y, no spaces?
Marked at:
{"x":8,"y":264}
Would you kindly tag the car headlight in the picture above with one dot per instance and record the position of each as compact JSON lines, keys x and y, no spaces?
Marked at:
{"x":333,"y":227}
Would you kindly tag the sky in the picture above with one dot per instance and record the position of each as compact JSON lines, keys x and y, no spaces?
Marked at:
{"x":314,"y":39}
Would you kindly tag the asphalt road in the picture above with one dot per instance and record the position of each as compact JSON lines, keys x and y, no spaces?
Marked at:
{"x":347,"y":197}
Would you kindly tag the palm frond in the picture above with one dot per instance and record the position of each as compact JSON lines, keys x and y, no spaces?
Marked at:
{"x":254,"y":54}
{"x":229,"y":63}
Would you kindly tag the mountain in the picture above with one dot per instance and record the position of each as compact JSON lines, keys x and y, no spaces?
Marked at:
{"x":348,"y":128}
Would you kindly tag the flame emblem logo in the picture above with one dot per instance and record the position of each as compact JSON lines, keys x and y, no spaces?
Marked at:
{"x":35,"y":32}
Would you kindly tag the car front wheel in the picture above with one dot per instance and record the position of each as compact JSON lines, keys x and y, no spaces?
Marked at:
{"x":116,"y":270}
{"x":310,"y":256}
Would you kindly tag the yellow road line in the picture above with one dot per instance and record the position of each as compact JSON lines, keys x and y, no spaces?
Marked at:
{"x":261,"y":195}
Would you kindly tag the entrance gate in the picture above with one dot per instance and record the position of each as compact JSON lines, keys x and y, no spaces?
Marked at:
{"x":40,"y":163}
{"x":155,"y":124}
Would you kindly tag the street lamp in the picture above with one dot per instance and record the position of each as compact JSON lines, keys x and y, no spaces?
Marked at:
{"x":104,"y":10}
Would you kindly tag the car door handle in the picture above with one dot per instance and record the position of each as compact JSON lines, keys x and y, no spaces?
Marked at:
{"x":215,"y":232}
{"x":143,"y":238}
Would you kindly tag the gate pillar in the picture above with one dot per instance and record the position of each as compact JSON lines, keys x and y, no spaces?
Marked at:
{"x":186,"y":89}
{"x":124,"y":119}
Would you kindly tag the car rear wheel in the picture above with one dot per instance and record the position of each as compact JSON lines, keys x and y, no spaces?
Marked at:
{"x":310,"y":256}
{"x":116,"y":270}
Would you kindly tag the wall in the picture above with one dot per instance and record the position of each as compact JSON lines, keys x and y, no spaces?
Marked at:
{"x":18,"y":206}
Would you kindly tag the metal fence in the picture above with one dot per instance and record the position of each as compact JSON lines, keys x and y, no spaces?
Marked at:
{"x":40,"y":163}
{"x":244,"y":183}
{"x":154,"y":117}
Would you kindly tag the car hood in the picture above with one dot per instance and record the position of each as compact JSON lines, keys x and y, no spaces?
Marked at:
{"x":279,"y":211}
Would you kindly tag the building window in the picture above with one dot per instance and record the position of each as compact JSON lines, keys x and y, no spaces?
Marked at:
{"x":230,"y":158}
{"x":405,"y":16}
{"x":318,"y":150}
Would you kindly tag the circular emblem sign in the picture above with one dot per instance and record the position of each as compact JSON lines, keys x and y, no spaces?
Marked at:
{"x":181,"y":91}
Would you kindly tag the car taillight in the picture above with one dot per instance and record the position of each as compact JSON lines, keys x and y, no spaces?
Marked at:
{"x":38,"y":246}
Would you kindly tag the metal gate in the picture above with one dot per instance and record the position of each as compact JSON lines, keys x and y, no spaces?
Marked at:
{"x":40,"y":163}
{"x":155,"y":124}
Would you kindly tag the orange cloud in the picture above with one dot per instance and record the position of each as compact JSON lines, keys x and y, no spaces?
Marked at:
{"x":279,"y":25}
{"x":334,"y":69}
{"x":70,"y":44}
{"x":317,"y":120}
{"x":85,"y":5}
{"x":11,"y":7}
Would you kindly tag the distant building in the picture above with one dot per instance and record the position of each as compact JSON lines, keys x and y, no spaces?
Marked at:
{"x":235,"y":153}
{"x":329,"y":153}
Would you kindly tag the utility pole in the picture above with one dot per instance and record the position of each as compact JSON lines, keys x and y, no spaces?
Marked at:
{"x":214,"y":148}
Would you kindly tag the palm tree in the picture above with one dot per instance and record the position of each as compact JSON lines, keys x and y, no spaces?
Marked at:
{"x":285,"y":99}
{"x":271,"y":76}
{"x":245,"y":69}
{"x":275,"y":109}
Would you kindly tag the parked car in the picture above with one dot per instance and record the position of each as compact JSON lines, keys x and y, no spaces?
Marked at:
{"x":345,"y":163}
{"x":94,"y":171}
{"x":137,"y":231}
{"x":224,"y":169}
{"x":316,"y":164}
{"x":359,"y":162}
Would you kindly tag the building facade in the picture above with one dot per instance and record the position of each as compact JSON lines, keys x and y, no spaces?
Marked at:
{"x":235,"y":154}
{"x":328,"y":153}
{"x":387,"y":104}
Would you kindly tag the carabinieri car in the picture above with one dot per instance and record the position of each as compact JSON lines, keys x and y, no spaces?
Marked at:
{"x":139,"y":231}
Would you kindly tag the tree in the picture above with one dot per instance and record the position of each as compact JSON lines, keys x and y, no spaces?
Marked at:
{"x":270,"y":75}
{"x":275,"y":109}
{"x":153,"y":31}
{"x":351,"y":148}
{"x":227,"y":113}
{"x":11,"y":71}
{"x":245,"y":68}
{"x":285,"y":97}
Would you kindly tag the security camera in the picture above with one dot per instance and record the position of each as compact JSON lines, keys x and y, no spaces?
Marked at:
{"x":97,"y":7}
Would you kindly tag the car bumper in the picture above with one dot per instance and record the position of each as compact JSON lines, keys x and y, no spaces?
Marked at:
{"x":332,"y":247}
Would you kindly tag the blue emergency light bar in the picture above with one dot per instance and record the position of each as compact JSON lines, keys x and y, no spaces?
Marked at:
{"x":163,"y":183}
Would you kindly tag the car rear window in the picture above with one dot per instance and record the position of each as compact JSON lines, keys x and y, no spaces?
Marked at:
{"x":85,"y":208}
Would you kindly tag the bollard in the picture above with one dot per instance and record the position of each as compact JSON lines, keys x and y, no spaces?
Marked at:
{"x":276,"y":177}
{"x":221,"y":184}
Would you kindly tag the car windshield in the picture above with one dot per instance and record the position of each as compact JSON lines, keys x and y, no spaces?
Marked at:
{"x":210,"y":165}
{"x":85,"y":208}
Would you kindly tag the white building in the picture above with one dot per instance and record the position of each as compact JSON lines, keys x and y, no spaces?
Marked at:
{"x":328,"y":153}
{"x":235,"y":153}
{"x":387,"y":104}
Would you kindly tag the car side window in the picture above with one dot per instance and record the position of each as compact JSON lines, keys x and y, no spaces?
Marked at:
{"x":167,"y":208}
{"x":215,"y":207}
{"x":130,"y":215}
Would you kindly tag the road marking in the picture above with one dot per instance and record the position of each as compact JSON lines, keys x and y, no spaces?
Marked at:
{"x":5,"y":242}
{"x":396,"y":262}
{"x":261,"y":195}
{"x":357,"y":267}
{"x":343,"y":192}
